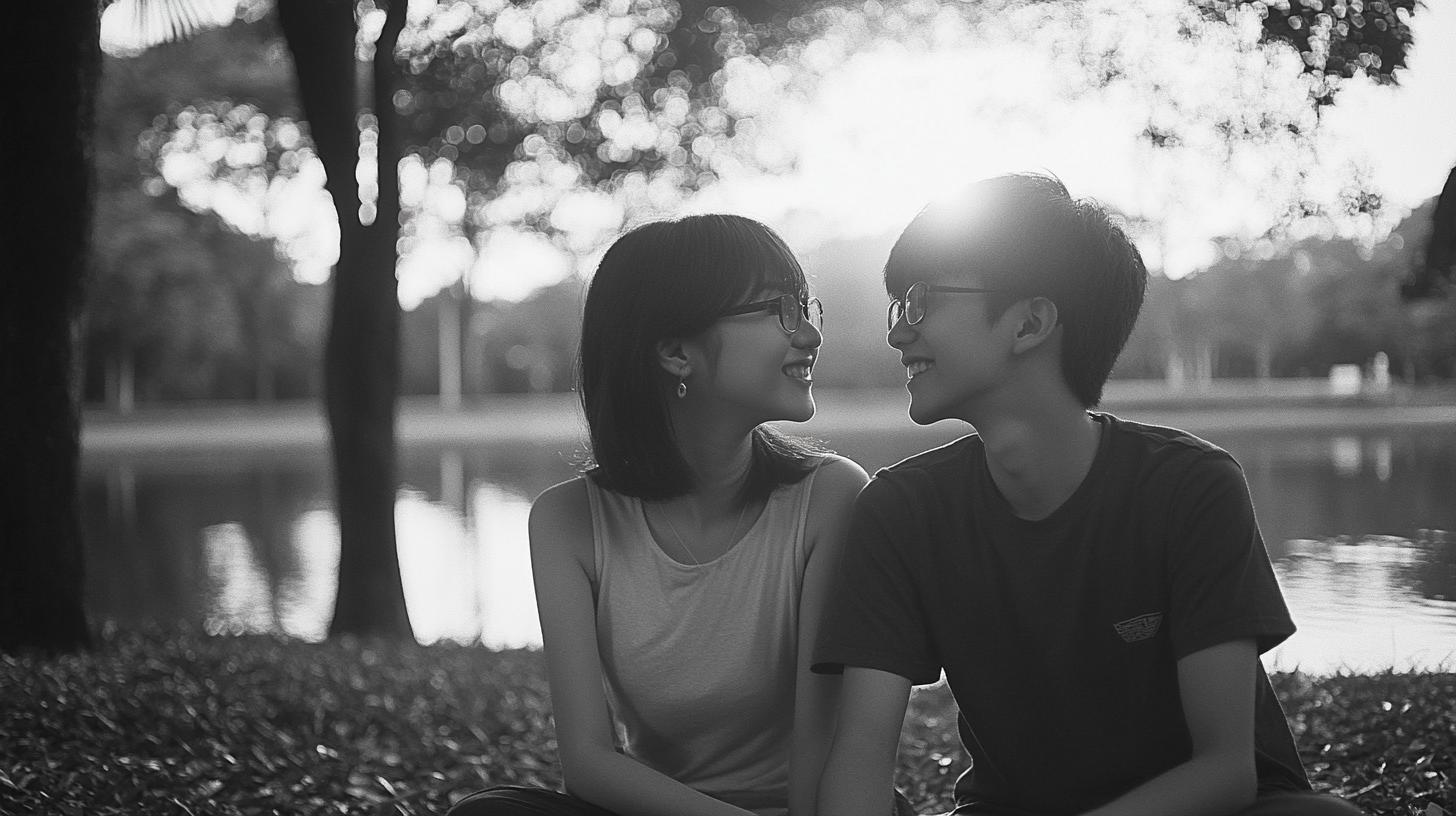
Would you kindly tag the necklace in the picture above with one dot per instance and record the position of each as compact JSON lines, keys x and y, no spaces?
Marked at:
{"x":684,"y":544}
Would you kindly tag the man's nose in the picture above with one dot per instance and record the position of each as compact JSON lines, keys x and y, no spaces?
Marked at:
{"x":901,"y":333}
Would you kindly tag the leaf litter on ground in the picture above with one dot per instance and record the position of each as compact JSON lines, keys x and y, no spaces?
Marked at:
{"x":180,"y":723}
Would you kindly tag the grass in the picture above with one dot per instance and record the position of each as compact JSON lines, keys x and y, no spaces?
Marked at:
{"x":190,"y":724}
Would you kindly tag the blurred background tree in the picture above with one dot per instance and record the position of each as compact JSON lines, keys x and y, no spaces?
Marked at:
{"x":185,"y":304}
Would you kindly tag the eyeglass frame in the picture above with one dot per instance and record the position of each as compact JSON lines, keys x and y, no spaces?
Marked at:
{"x":776,"y":305}
{"x":902,"y":304}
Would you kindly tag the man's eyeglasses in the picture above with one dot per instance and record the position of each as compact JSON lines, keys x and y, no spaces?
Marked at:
{"x":912,"y":305}
{"x":791,"y":310}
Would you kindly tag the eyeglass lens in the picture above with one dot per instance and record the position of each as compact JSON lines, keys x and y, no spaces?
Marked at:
{"x":911,"y":306}
{"x":792,"y":312}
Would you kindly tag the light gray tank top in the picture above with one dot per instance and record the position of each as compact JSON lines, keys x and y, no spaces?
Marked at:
{"x":699,"y":660}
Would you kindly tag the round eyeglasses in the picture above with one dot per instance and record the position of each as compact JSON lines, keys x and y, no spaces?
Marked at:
{"x":912,"y":305}
{"x":791,"y":310}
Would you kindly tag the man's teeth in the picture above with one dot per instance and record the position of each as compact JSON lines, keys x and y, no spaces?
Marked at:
{"x":918,"y":367}
{"x":800,"y":372}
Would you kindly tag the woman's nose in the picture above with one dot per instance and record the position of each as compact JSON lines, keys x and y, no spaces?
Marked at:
{"x":807,"y":335}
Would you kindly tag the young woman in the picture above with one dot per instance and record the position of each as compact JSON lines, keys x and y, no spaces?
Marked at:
{"x":680,"y":580}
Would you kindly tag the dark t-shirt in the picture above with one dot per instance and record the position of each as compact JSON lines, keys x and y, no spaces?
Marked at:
{"x":1060,"y":637}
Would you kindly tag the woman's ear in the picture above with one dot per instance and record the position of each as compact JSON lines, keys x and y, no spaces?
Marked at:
{"x":1036,"y":320}
{"x":672,"y":355}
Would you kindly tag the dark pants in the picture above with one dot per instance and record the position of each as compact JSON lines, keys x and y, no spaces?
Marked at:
{"x":1298,"y":803}
{"x":514,"y":801}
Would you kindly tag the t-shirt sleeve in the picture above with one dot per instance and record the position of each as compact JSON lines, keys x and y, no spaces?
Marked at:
{"x":875,"y":615}
{"x":1222,"y":584}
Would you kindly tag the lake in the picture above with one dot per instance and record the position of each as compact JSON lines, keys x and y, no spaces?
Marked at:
{"x":1358,"y":520}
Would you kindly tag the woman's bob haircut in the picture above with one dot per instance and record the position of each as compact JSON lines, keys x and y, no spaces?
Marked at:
{"x":662,"y":280}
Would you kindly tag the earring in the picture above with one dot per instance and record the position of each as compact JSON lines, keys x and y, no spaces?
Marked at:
{"x":682,"y":388}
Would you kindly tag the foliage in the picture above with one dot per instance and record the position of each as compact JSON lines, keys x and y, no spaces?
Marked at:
{"x":547,"y":108}
{"x":176,"y":723}
{"x":1336,"y":38}
{"x":200,"y":307}
{"x":570,"y":118}
{"x":1300,"y":306}
{"x":201,"y":310}
{"x":506,"y":348}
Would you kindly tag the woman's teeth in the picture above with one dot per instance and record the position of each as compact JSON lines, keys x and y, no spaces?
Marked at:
{"x":803,"y":373}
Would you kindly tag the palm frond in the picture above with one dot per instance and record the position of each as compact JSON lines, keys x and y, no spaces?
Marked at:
{"x":141,"y":24}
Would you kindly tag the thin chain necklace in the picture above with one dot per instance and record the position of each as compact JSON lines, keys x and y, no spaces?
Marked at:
{"x":684,"y":544}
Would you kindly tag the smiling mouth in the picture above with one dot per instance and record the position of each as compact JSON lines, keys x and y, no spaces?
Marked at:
{"x":803,"y":372}
{"x":918,"y":367}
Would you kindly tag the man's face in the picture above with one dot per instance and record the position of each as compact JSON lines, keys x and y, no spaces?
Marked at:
{"x":955,"y":355}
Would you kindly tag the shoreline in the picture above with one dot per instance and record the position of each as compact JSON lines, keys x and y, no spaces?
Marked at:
{"x":1245,"y":406}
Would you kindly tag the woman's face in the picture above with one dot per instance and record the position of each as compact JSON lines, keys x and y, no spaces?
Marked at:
{"x":751,"y":371}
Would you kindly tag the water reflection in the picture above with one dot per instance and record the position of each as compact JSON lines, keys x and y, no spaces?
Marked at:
{"x":1353,"y":522}
{"x":239,"y":598}
{"x":1368,"y":604}
{"x":306,"y":595}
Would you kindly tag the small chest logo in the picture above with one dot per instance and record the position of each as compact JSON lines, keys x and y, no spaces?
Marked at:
{"x":1140,"y":628}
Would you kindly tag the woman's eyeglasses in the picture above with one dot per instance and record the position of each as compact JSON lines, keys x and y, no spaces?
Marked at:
{"x":912,"y":305}
{"x":791,"y":310}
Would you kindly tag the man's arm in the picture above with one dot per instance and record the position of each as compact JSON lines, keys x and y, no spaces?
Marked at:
{"x":1217,"y":686}
{"x":859,"y":776}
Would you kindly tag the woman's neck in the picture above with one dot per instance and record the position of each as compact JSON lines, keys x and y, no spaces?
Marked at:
{"x":720,"y":459}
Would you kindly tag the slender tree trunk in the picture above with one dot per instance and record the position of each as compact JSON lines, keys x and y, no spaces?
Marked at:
{"x":121,"y":379}
{"x":361,"y":365}
{"x":451,"y":308}
{"x":48,"y":203}
{"x":1263,"y":358}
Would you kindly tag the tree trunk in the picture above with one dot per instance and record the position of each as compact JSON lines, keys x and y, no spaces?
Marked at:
{"x":121,"y":379}
{"x":451,"y":307}
{"x":1264,"y":358}
{"x":361,"y":364}
{"x":47,"y":140}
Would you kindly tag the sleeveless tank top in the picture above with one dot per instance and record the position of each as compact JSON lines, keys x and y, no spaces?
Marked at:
{"x":699,"y":660}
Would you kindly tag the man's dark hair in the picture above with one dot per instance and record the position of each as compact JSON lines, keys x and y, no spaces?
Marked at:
{"x":673,"y":279}
{"x":1025,"y":233}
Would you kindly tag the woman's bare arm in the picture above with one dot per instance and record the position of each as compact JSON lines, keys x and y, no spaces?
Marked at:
{"x":816,"y":695}
{"x":563,"y":566}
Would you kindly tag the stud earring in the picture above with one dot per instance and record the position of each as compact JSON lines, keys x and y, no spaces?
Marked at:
{"x":682,"y":388}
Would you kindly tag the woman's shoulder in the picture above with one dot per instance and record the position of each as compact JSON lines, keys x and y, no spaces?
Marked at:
{"x":836,"y":482}
{"x":562,"y":511}
{"x":562,"y":495}
{"x":837,"y":473}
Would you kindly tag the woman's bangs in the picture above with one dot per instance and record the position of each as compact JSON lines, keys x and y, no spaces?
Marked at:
{"x":774,"y":267}
{"x":748,"y":262}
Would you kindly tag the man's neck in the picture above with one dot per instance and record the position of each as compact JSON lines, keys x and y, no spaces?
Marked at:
{"x":1040,"y":453}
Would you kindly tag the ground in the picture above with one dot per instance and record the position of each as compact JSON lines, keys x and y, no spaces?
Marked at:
{"x":184,"y":723}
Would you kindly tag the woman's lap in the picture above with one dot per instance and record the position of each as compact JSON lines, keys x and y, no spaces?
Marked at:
{"x":519,"y":801}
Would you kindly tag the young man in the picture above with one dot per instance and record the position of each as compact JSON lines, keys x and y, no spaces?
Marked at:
{"x":1095,"y":590}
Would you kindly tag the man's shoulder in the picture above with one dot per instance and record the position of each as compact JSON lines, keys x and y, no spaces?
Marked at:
{"x":1167,"y":470}
{"x":918,"y":478}
{"x":938,"y":462}
{"x":1162,"y":443}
